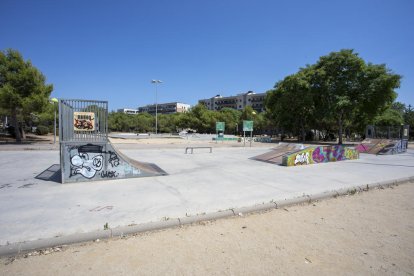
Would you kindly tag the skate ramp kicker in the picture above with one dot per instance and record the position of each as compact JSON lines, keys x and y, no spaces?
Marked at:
{"x":100,"y":161}
{"x":275,"y":156}
{"x":382,"y":146}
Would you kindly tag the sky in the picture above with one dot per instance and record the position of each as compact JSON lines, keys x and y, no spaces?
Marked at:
{"x":111,"y":50}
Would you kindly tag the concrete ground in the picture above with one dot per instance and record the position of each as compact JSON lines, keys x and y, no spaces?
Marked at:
{"x":33,"y":209}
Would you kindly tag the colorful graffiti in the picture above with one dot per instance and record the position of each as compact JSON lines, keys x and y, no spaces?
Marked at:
{"x":320,"y":154}
{"x":84,"y":121}
{"x":398,"y":146}
{"x":382,"y":146}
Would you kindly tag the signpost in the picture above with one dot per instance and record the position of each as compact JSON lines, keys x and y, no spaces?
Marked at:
{"x":219,"y":129}
{"x":247,"y":126}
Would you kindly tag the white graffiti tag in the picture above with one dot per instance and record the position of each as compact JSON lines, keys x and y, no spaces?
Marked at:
{"x":302,"y":158}
{"x":85,"y":166}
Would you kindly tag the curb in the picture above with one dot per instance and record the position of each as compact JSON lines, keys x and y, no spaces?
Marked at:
{"x":17,"y":248}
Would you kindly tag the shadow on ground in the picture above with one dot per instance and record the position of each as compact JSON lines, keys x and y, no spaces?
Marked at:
{"x":53,"y":173}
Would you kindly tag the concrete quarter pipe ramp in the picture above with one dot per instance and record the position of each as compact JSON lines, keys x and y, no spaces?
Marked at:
{"x":85,"y":151}
{"x":99,"y":161}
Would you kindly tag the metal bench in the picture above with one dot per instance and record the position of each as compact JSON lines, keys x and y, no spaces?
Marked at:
{"x":192,"y":149}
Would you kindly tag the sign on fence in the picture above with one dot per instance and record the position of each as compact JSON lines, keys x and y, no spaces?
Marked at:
{"x":84,"y":121}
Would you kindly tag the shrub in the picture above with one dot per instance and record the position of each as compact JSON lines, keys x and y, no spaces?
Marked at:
{"x":42,"y":130}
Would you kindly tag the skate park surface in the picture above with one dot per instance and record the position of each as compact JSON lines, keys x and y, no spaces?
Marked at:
{"x":198,"y":183}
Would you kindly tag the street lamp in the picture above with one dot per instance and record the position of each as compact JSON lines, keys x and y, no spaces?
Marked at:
{"x":156,"y":82}
{"x":53,"y":101}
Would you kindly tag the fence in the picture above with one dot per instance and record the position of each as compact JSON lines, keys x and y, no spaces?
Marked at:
{"x":387,"y":132}
{"x":83,"y":121}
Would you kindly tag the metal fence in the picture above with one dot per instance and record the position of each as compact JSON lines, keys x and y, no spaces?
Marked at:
{"x":83,"y":121}
{"x":387,"y":132}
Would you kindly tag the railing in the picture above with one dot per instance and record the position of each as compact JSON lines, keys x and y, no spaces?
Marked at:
{"x":83,"y":120}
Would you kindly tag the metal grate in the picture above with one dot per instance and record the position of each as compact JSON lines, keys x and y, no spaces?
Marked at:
{"x":387,"y":132}
{"x":83,"y":120}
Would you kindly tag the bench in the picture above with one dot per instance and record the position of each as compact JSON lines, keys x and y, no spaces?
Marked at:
{"x":192,"y":148}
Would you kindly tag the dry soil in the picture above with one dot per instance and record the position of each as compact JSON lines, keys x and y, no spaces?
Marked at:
{"x":369,"y":233}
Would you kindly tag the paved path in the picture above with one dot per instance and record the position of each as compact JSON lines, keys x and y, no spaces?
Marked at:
{"x":201,"y":182}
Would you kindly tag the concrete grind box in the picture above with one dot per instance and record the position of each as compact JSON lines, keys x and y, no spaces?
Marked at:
{"x":85,"y":151}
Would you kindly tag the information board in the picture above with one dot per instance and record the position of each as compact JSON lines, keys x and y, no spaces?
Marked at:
{"x":247,"y":125}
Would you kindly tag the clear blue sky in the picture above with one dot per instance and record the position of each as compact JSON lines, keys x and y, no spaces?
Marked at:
{"x":110,"y":50}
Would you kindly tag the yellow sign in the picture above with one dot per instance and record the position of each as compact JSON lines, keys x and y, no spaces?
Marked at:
{"x":84,"y":121}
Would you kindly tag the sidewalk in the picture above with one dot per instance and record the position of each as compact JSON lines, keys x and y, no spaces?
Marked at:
{"x":202,"y":182}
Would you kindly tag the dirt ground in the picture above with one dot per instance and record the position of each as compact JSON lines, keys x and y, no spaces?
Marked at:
{"x":369,"y":233}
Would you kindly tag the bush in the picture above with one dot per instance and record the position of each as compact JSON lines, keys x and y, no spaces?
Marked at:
{"x":42,"y":130}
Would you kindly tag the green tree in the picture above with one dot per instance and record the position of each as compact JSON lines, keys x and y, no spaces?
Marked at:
{"x":22,"y":89}
{"x":390,"y":117}
{"x":200,"y":119}
{"x":291,"y":103}
{"x":118,"y":121}
{"x":344,"y":85}
{"x":231,"y":118}
{"x":144,"y":122}
{"x":409,"y":119}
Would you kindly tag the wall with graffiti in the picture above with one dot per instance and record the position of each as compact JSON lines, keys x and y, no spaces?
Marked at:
{"x":85,"y":162}
{"x":320,"y":154}
{"x":396,"y":147}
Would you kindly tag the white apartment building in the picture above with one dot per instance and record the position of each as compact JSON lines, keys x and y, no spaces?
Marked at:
{"x":165,"y":108}
{"x":128,"y":111}
{"x":250,"y":98}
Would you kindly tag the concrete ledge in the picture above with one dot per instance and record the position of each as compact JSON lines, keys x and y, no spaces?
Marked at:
{"x":324,"y":195}
{"x":18,"y":248}
{"x":139,"y":228}
{"x":205,"y":217}
{"x":293,"y":201}
{"x":255,"y":208}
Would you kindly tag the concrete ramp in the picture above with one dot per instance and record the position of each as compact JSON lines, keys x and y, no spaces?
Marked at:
{"x":85,"y":151}
{"x":100,"y":161}
{"x":382,"y":146}
{"x":275,"y":156}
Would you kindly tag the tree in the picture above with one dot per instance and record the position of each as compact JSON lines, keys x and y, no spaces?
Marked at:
{"x":409,"y":119}
{"x":22,"y":88}
{"x":344,"y":85}
{"x":291,"y":103}
{"x":389,"y":117}
{"x":231,"y":118}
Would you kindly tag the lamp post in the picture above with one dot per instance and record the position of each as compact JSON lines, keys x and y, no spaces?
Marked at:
{"x":156,"y":82}
{"x":53,"y":101}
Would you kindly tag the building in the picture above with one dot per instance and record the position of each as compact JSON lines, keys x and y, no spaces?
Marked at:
{"x":240,"y":101}
{"x":128,"y":111}
{"x":165,"y":108}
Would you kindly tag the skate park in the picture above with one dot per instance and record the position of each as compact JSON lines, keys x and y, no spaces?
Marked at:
{"x":38,"y":210}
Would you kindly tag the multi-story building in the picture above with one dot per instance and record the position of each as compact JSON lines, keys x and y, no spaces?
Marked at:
{"x":240,"y":101}
{"x":165,"y":108}
{"x":128,"y":110}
